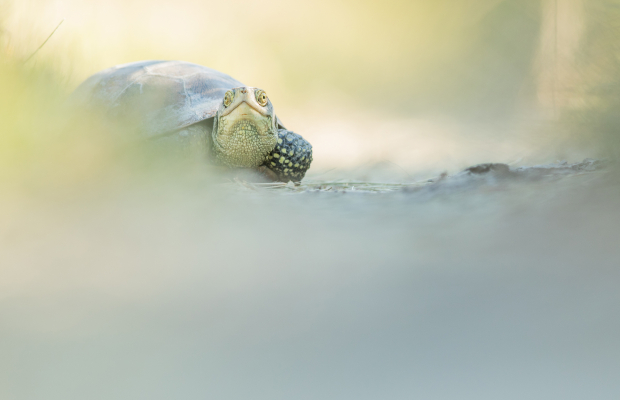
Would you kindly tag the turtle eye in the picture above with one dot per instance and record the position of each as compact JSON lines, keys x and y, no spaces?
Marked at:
{"x":228,"y":98}
{"x":261,"y":97}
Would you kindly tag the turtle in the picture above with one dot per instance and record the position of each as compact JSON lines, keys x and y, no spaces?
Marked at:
{"x":234,"y":125}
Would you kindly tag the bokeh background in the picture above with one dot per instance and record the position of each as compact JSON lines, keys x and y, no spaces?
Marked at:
{"x":128,"y":275}
{"x":425,"y":85}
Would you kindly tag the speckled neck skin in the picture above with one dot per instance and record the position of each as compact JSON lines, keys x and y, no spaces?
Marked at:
{"x":244,"y":131}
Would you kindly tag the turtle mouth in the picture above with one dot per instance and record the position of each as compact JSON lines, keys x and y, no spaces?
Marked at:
{"x":245,"y":108}
{"x":245,"y":122}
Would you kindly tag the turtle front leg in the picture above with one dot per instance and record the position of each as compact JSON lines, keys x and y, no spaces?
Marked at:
{"x":268,"y":174}
{"x":291,"y":157}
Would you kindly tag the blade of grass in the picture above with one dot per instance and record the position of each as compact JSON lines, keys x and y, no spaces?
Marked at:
{"x":43,"y":44}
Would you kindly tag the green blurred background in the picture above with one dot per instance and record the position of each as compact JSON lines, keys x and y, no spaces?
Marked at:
{"x":427,"y":85}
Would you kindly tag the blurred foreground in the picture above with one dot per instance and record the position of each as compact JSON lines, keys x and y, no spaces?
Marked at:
{"x":480,"y":287}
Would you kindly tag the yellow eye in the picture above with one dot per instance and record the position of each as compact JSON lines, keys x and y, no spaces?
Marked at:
{"x":261,"y":97}
{"x":228,"y":98}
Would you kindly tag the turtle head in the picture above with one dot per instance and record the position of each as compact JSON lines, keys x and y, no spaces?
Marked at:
{"x":244,"y":130}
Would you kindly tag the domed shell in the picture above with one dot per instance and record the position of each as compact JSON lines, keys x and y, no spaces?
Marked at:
{"x":158,"y":96}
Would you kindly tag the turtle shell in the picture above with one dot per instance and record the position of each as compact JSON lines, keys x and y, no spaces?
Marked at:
{"x":158,"y":96}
